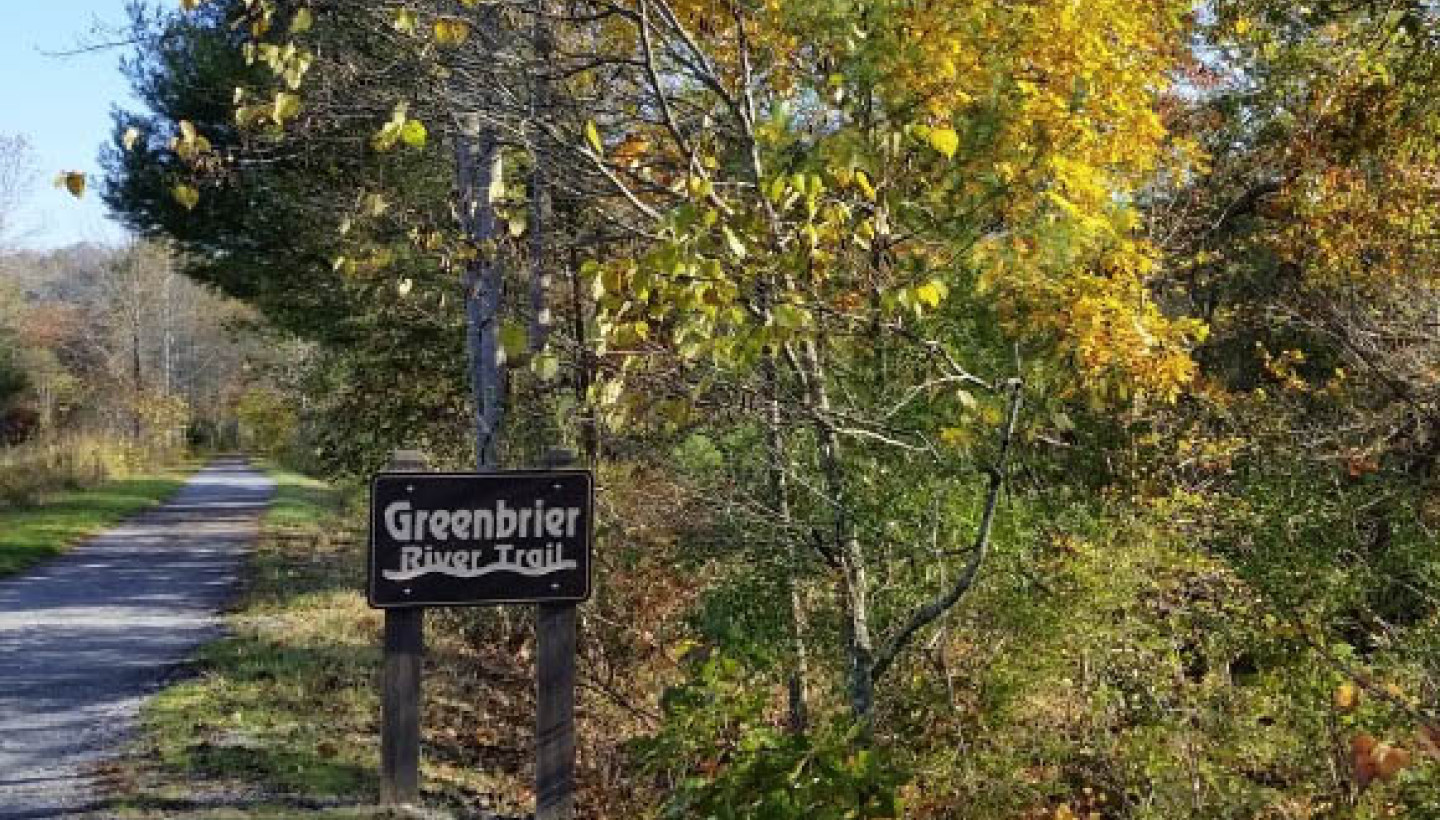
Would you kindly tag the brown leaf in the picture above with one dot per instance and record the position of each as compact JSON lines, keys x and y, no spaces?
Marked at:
{"x":1389,"y":761}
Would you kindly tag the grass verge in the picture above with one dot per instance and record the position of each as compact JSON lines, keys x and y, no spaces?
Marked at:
{"x":29,"y":535}
{"x":280,"y":720}
{"x":282,"y":717}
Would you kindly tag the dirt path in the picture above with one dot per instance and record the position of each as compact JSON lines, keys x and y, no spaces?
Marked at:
{"x":86,"y":637}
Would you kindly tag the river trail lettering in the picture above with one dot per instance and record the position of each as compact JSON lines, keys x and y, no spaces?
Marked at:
{"x":477,"y":538}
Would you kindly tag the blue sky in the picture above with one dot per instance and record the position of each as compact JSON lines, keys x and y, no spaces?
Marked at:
{"x":62,"y":104}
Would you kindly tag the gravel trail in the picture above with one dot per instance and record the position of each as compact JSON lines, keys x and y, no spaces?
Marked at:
{"x":85,"y":638}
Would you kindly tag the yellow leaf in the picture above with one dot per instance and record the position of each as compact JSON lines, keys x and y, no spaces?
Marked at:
{"x":413,"y":133}
{"x":190,"y":5}
{"x":956,"y":436}
{"x":932,"y":292}
{"x":248,"y":115}
{"x":186,"y":195}
{"x":592,"y":136}
{"x":1347,"y":696}
{"x":72,"y":181}
{"x":944,"y":140}
{"x":375,"y":204}
{"x":451,"y":31}
{"x":286,"y":106}
{"x":132,"y":135}
{"x":302,"y":21}
{"x":863,"y":180}
{"x":404,"y":21}
{"x":777,"y":190}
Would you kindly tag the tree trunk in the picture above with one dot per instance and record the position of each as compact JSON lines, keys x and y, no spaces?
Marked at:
{"x":584,"y":367}
{"x":137,"y":384}
{"x":854,"y":576}
{"x":780,"y":497}
{"x":478,"y":166}
{"x":539,"y":185}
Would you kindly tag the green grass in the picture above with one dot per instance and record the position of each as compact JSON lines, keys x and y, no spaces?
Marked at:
{"x":300,"y":502}
{"x":29,"y":535}
{"x":280,"y":722}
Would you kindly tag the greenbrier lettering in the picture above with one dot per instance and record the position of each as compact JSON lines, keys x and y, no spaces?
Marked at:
{"x":405,"y":524}
{"x":469,"y":543}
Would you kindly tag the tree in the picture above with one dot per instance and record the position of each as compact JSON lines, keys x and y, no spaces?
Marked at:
{"x":316,"y":238}
{"x":843,"y":216}
{"x":17,"y":176}
{"x":848,"y":240}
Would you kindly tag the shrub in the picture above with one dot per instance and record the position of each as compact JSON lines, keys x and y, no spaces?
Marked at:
{"x":725,"y":753}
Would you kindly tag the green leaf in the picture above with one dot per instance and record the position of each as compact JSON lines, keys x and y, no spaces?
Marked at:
{"x":733,"y":242}
{"x":944,"y":140}
{"x":789,"y":316}
{"x":777,"y":189}
{"x":546,"y":366}
{"x":513,"y":339}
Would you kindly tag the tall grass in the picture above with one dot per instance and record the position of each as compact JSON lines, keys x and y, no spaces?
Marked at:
{"x":32,"y":472}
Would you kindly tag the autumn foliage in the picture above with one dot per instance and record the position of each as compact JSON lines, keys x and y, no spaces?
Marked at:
{"x":1049,"y":387}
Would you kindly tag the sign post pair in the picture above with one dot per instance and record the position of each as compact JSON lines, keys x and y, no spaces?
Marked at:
{"x":476,"y":539}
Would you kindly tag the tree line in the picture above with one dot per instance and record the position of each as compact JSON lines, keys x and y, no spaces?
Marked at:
{"x":942,"y":318}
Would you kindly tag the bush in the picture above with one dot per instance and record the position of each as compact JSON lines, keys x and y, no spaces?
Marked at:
{"x":725,"y":753}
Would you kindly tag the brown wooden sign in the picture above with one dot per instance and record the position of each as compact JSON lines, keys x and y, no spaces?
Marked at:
{"x":468,"y":539}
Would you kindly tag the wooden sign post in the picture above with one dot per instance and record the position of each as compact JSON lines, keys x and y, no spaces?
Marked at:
{"x":470,"y":539}
{"x":400,"y":687}
{"x":555,"y":712}
{"x":555,"y":698}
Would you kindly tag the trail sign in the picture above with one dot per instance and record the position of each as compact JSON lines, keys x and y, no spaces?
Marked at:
{"x":466,"y":539}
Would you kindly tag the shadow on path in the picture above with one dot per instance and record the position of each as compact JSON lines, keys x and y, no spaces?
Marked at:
{"x":86,"y":637}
